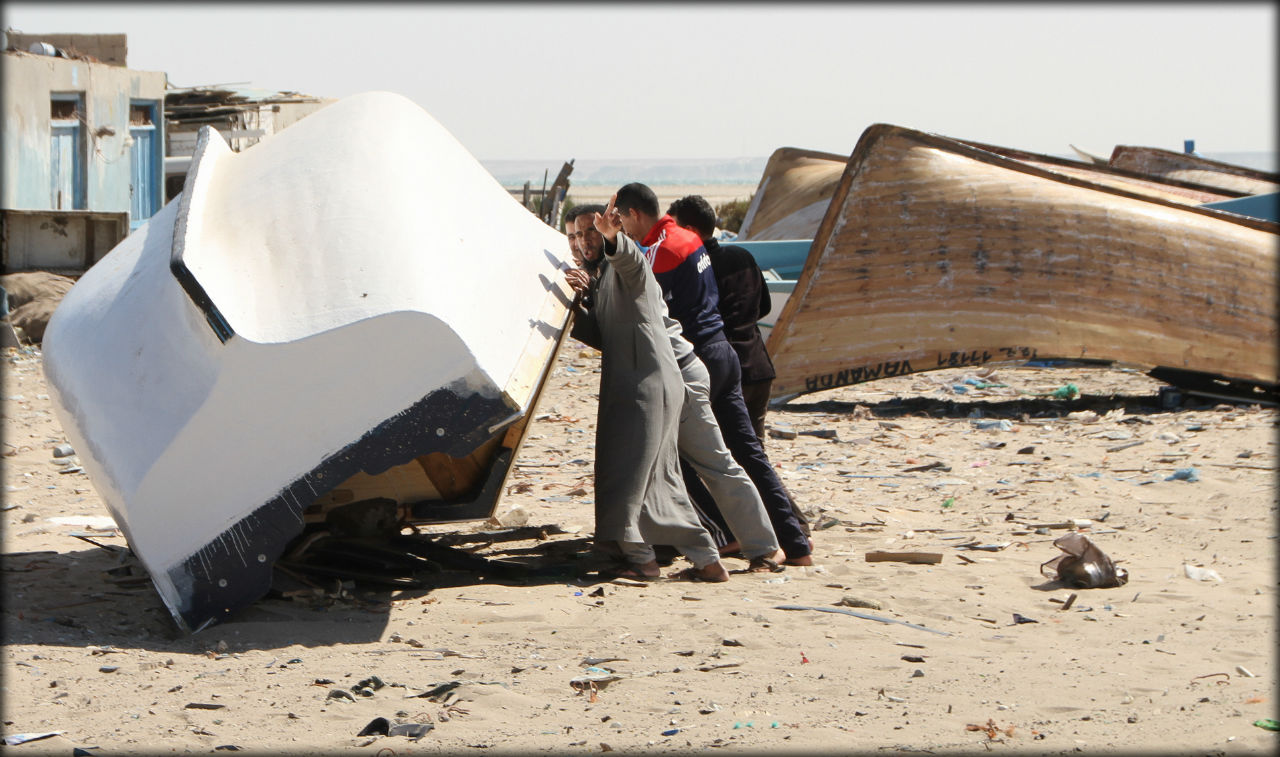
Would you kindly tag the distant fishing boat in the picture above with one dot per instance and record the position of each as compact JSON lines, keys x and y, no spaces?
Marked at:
{"x":349,"y":322}
{"x":938,"y":254}
{"x":1183,"y":166}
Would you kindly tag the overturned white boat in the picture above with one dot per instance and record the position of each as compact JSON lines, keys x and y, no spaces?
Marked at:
{"x":353,"y":310}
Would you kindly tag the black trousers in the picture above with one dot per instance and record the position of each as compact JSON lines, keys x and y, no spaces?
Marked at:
{"x":740,"y":437}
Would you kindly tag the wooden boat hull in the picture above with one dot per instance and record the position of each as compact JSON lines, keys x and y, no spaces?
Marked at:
{"x":794,"y":192}
{"x":1181,"y":166}
{"x":353,"y":312}
{"x":937,"y":254}
{"x":797,"y":185}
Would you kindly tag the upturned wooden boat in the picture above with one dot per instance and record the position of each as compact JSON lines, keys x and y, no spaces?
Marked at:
{"x":350,"y":321}
{"x":937,"y":254}
{"x":1182,"y":166}
{"x":797,"y":185}
{"x":794,"y":192}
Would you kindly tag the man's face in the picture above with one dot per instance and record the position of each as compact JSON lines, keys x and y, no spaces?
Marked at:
{"x":590,"y":243}
{"x":574,"y":250}
{"x":631,"y":224}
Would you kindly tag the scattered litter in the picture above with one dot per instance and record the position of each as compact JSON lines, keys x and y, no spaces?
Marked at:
{"x":1067,"y":392}
{"x":1084,"y":416}
{"x":384,"y":727}
{"x":920,"y":558}
{"x":1020,"y":619}
{"x":202,"y":706}
{"x":14,"y":739}
{"x":862,"y":615}
{"x":1084,"y":566}
{"x":1268,"y":724}
{"x":1190,"y":475}
{"x":63,"y":450}
{"x":848,"y":601}
{"x":93,"y":522}
{"x":1198,"y":573}
{"x":782,"y":431}
{"x":1244,"y":672}
{"x":993,"y":425}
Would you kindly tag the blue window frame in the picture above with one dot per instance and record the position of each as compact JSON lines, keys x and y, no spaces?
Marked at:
{"x":146,"y":162}
{"x":66,"y":151}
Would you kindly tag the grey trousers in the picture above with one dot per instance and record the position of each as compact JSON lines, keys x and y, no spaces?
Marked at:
{"x":703,"y":448}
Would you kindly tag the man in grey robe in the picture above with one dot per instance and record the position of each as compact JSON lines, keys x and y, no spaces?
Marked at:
{"x":640,"y":496}
{"x":699,"y":442}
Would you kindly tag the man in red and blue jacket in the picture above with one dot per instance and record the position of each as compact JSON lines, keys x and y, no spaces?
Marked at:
{"x":683,"y":269}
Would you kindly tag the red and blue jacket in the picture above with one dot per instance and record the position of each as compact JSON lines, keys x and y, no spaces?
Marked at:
{"x":682,"y":267}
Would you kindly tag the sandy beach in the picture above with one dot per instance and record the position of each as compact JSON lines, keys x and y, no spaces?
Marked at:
{"x":976,"y":651}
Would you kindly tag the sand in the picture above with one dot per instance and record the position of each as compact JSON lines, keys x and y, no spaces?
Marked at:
{"x":1163,"y":664}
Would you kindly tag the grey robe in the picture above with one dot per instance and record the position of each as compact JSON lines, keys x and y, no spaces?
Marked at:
{"x":640,"y":495}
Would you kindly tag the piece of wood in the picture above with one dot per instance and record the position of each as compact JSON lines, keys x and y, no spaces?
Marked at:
{"x":935,"y":254}
{"x":921,"y":558}
{"x":1190,"y":167}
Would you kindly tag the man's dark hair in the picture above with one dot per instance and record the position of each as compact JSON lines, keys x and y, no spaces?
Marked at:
{"x":695,"y":211}
{"x":639,"y":197}
{"x":578,"y":210}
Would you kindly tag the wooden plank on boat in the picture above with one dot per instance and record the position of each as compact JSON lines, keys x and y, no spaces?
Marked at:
{"x":1184,"y":166}
{"x":937,"y":254}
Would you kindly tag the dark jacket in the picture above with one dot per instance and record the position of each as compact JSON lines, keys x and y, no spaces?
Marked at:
{"x":744,"y":300}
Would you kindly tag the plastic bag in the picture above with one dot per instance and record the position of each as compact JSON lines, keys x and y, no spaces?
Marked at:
{"x":1084,"y":566}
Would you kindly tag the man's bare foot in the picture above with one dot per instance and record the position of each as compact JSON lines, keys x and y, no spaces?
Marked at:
{"x":806,"y":560}
{"x":713,"y":573}
{"x":730,"y":548}
{"x":770,"y":563}
{"x":643,"y":572}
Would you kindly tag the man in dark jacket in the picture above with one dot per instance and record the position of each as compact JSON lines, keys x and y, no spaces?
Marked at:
{"x":744,"y":300}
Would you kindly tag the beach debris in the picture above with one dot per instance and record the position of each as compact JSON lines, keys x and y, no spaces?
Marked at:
{"x":1242,"y":670}
{"x":63,"y":450}
{"x":1084,"y":416}
{"x":821,"y":433}
{"x":1267,"y":724}
{"x":782,"y":431}
{"x":384,"y":727}
{"x":1084,"y":566}
{"x":1066,"y":392}
{"x":1020,"y":619}
{"x":913,"y":658}
{"x":851,"y":601}
{"x":1190,"y":475}
{"x":203,"y":706}
{"x":993,"y":425}
{"x":863,"y":615}
{"x":366,"y":687}
{"x":935,"y":465}
{"x":990,"y":728}
{"x":917,"y":673}
{"x":14,"y":739}
{"x":340,"y":694}
{"x":1200,"y":573}
{"x":920,"y":558}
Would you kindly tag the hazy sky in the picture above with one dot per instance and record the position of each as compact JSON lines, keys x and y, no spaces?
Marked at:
{"x":723,"y":80}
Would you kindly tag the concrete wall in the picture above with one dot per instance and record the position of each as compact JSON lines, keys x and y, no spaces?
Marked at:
{"x":26,"y":83}
{"x":112,"y":49}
